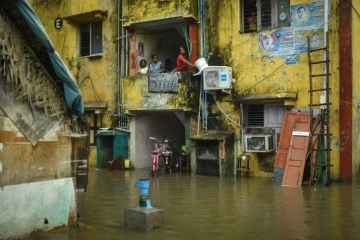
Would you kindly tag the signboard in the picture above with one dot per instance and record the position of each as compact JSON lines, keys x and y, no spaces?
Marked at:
{"x":58,"y":23}
{"x":164,"y":82}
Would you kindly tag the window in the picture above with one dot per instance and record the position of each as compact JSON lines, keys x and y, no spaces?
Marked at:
{"x":256,"y":15}
{"x":263,"y":115}
{"x":91,"y":39}
{"x":95,"y":122}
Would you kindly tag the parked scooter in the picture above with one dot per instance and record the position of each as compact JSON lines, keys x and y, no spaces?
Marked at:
{"x":163,"y":157}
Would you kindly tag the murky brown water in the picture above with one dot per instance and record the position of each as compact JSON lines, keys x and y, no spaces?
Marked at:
{"x":207,"y":207}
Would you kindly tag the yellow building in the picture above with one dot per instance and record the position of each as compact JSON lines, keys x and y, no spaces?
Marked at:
{"x":265,"y":46}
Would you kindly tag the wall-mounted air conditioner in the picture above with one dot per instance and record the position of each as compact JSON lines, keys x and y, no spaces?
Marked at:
{"x":217,"y":77}
{"x":258,"y":143}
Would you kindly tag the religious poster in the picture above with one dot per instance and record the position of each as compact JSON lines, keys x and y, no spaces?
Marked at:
{"x":141,"y":49}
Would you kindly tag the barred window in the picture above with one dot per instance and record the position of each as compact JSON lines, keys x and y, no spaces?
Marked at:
{"x":91,"y":39}
{"x":257,"y":15}
{"x":263,"y":115}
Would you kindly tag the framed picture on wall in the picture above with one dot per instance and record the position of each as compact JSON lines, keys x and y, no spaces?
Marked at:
{"x":141,"y":49}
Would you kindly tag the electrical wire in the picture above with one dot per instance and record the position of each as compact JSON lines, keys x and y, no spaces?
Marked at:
{"x":294,"y":54}
{"x":223,"y":112}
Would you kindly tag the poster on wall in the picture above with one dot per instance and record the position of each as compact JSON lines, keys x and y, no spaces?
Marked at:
{"x":307,"y":16}
{"x":279,"y":42}
{"x":141,"y":49}
{"x":307,"y":20}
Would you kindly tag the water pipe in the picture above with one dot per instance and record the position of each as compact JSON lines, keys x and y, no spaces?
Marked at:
{"x":144,"y":200}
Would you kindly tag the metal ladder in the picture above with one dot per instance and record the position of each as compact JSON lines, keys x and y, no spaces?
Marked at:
{"x":320,"y":145}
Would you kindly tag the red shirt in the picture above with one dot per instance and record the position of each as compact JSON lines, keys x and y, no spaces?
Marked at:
{"x":180,"y":65}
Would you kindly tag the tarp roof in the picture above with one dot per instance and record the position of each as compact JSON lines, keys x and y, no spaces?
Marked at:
{"x":27,"y":20}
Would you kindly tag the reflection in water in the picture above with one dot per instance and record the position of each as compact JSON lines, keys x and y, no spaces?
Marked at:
{"x":208,"y":207}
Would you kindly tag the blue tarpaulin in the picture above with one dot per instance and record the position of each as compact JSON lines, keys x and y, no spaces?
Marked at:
{"x":72,"y":93}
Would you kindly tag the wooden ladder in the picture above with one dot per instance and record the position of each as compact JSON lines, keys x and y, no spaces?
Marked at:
{"x":320,"y":145}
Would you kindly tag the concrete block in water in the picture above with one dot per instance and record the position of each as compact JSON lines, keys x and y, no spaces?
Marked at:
{"x":143,"y":219}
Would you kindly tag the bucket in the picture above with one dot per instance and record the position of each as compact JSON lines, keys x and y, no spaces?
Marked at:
{"x":200,"y":64}
{"x":143,"y":184}
{"x":127,"y":163}
{"x":144,"y":200}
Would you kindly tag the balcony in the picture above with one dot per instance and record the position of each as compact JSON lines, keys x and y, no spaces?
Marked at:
{"x":165,"y":91}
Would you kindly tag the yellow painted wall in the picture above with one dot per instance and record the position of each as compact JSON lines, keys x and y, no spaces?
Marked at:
{"x":97,"y":78}
{"x":257,"y":72}
{"x":356,"y":90}
{"x":141,"y":11}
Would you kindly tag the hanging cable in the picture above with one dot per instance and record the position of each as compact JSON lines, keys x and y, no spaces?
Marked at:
{"x":223,"y":112}
{"x":294,"y":54}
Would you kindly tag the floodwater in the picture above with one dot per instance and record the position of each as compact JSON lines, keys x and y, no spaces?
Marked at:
{"x":209,"y":207}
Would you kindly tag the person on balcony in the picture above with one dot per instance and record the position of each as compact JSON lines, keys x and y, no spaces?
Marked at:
{"x":182,"y":65}
{"x":143,"y":68}
{"x":155,"y":66}
{"x":168,"y":66}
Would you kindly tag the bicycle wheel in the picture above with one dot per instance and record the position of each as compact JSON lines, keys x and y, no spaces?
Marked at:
{"x":153,"y":165}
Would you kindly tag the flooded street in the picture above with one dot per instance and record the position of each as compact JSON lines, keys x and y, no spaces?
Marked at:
{"x":207,"y":207}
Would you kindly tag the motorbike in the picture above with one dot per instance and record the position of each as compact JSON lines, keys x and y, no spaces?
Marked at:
{"x":163,"y":157}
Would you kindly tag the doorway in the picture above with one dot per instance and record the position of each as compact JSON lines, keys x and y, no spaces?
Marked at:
{"x":157,"y":124}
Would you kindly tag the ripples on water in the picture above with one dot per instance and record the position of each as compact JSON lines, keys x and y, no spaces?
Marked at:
{"x":208,"y":207}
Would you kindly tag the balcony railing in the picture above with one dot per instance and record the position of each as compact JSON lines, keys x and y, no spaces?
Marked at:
{"x":165,"y":91}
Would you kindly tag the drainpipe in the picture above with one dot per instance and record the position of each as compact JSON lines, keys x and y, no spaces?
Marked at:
{"x":118,"y":72}
{"x":325,"y":97}
{"x":326,"y":29}
{"x":122,"y":46}
{"x":203,"y":94}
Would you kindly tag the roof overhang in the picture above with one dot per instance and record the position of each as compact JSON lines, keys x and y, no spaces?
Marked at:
{"x":160,"y":24}
{"x":93,"y":16}
{"x":212,"y":135}
{"x":98,"y":107}
{"x":288,"y":98}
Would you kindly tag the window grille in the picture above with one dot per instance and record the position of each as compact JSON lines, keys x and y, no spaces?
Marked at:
{"x":123,"y":120}
{"x":256,"y":115}
{"x":257,"y":15}
{"x":263,"y":115}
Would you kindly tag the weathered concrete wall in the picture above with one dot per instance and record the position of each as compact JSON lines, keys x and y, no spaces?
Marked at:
{"x":97,"y":77}
{"x":22,"y":162}
{"x":38,"y":206}
{"x":140,"y":11}
{"x":261,"y":71}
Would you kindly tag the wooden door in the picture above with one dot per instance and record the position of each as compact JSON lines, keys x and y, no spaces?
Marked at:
{"x":298,"y":152}
{"x":285,"y":137}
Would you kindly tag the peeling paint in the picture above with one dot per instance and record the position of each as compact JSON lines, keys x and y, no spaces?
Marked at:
{"x":52,"y":206}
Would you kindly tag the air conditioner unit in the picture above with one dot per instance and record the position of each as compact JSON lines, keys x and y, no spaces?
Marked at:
{"x":258,"y":143}
{"x":217,"y":77}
